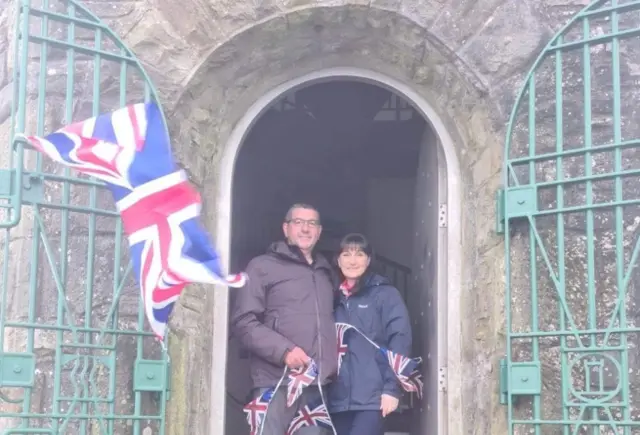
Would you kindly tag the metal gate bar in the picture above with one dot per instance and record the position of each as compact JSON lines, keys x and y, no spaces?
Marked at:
{"x":79,"y":330}
{"x":570,"y":342}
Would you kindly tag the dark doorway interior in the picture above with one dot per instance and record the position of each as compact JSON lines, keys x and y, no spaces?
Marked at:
{"x":351,"y":149}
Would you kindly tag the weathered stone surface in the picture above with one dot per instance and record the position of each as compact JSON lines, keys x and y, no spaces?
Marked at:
{"x":461,"y":19}
{"x":508,"y":42}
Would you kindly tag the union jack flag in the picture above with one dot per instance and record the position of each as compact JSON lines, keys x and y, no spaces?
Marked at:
{"x":341,"y":329}
{"x":130,"y":151}
{"x":309,"y":416}
{"x":406,"y":370}
{"x":299,"y":379}
{"x":256,"y":411}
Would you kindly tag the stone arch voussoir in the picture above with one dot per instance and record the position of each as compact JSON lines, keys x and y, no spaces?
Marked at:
{"x":252,"y":61}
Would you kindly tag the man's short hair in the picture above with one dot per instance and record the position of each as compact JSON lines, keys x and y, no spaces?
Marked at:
{"x":289,"y":214}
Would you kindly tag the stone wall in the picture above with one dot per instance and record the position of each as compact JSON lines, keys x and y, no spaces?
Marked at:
{"x":212,"y":59}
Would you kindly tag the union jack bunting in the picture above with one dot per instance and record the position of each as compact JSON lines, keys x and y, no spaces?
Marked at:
{"x":310,"y":415}
{"x":130,"y":151}
{"x":406,"y":370}
{"x":299,"y":379}
{"x":341,"y":329}
{"x":256,"y":411}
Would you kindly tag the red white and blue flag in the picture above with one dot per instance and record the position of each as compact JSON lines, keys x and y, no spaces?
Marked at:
{"x":406,"y":370}
{"x":341,"y":330}
{"x":299,"y":379}
{"x":130,"y":151}
{"x":256,"y":411}
{"x":310,"y":415}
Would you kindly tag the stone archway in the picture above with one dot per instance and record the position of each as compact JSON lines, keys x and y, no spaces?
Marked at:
{"x":448,"y":252}
{"x":231,"y":87}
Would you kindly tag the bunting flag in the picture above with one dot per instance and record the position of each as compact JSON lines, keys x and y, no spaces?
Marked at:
{"x":130,"y":151}
{"x":406,"y":370}
{"x":341,"y":330}
{"x":296,"y":380}
{"x":299,"y":379}
{"x":256,"y":411}
{"x":309,"y":416}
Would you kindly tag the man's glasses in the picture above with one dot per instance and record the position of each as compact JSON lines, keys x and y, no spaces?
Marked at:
{"x":312,"y":223}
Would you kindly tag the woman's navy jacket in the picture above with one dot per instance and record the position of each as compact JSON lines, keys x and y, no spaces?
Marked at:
{"x":376,"y":309}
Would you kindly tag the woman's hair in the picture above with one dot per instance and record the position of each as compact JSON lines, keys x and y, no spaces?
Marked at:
{"x":356,"y":241}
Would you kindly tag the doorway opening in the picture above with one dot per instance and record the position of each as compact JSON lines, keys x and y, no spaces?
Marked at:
{"x":368,"y":160}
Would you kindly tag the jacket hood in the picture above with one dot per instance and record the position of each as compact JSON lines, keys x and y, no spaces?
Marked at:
{"x":371,"y":280}
{"x":292,"y":253}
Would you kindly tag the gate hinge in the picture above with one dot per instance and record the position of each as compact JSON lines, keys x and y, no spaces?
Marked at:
{"x":18,"y":188}
{"x":442,"y":379}
{"x":151,"y":376}
{"x":500,"y":211}
{"x":442,"y":216}
{"x":17,"y":369}
{"x":519,"y":379}
{"x":515,"y":202}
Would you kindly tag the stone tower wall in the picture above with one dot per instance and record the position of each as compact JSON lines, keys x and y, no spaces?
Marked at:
{"x":211,"y":60}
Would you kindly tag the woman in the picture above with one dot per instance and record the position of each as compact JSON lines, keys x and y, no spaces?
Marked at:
{"x":366,"y":389}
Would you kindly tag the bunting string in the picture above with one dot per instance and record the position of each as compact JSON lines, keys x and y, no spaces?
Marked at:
{"x":315,"y":413}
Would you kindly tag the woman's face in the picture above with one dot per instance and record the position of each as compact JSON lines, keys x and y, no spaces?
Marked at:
{"x":353,"y":263}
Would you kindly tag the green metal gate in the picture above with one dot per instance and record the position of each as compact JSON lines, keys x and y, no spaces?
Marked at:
{"x":570,"y":212}
{"x":73,"y":355}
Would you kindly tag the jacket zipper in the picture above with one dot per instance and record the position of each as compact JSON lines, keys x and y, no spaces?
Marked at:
{"x":319,"y":335}
{"x":315,"y":287}
{"x":350,"y":365}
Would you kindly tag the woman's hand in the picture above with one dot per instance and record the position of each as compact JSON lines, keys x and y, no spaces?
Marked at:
{"x":388,"y":404}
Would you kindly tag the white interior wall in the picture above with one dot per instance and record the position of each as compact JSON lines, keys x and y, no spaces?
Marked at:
{"x":390,"y":208}
{"x":263,"y":193}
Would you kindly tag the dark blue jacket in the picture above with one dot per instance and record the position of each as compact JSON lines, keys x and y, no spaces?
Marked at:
{"x":376,"y":309}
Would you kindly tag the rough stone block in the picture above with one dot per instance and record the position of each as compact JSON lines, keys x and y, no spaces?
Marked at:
{"x":508,"y":42}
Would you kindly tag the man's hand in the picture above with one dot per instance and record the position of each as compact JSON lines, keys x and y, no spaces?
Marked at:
{"x":296,"y":358}
{"x":388,"y":404}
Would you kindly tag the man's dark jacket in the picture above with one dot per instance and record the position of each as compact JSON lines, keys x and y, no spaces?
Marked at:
{"x":377,"y":310}
{"x":287,"y":302}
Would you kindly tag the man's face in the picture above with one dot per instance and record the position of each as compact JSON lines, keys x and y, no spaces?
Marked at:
{"x":303,"y":229}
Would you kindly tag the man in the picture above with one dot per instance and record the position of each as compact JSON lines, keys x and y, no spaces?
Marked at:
{"x":284,"y":315}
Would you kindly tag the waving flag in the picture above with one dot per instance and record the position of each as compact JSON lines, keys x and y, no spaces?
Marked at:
{"x":256,"y":411}
{"x":299,"y":379}
{"x":129,"y":150}
{"x":309,"y":416}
